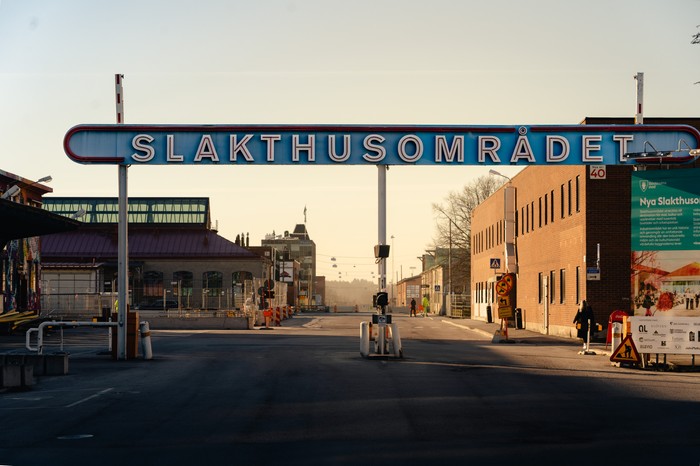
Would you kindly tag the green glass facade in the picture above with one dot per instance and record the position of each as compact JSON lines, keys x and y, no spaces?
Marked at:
{"x":144,"y":210}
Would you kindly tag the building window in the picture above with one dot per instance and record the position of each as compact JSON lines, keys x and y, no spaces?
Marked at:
{"x":546,"y":209}
{"x":569,"y":197}
{"x":212,"y":283}
{"x":562,"y":286}
{"x":527,"y":218}
{"x":540,"y":212}
{"x":182,"y":288}
{"x":532,"y":215}
{"x":551,"y":205}
{"x":578,"y":194}
{"x":540,"y":288}
{"x":153,"y":284}
{"x":561,"y":195}
{"x":551,"y":286}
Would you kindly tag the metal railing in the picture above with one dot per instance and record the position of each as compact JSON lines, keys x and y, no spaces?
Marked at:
{"x":61,"y":325}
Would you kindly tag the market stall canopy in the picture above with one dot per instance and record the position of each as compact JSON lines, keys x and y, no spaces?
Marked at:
{"x":24,"y":221}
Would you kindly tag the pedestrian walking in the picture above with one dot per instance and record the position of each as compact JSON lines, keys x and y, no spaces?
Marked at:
{"x":426,"y":305}
{"x":413,"y":307}
{"x":583,"y":319}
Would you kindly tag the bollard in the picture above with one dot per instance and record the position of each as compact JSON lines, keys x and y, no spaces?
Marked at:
{"x":396,"y":341}
{"x":616,"y":335}
{"x":364,"y":338}
{"x":146,"y":340}
{"x":278,"y":320}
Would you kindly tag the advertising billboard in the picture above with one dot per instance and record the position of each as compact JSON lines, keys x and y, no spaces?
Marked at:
{"x":665,"y":229}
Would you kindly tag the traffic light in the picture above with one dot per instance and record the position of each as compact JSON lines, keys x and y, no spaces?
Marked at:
{"x":381,"y":299}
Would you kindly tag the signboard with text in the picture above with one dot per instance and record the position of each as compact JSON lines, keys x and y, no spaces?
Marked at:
{"x":666,"y":335}
{"x":506,"y":295}
{"x":665,"y":210}
{"x":665,"y":242}
{"x":358,"y":144}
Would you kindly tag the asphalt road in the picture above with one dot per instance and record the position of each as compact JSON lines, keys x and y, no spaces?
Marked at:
{"x":302,"y":395}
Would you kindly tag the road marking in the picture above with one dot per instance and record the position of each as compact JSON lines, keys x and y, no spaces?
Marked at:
{"x":106,"y":390}
{"x":477,"y":330}
{"x":75,"y":437}
{"x":315,"y":323}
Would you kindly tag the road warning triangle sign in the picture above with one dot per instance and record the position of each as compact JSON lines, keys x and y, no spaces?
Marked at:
{"x":626,"y":352}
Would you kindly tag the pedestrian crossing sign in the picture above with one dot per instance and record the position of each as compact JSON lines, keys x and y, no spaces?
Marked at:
{"x":495,"y":263}
{"x":626,"y":352}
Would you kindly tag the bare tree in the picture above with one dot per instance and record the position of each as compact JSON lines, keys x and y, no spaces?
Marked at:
{"x":457,"y":209}
{"x":453,"y":220}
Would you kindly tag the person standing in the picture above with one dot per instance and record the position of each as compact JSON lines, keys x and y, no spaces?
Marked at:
{"x":413,"y":307}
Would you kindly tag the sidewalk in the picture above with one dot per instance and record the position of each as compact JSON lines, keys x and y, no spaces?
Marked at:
{"x":523,"y":336}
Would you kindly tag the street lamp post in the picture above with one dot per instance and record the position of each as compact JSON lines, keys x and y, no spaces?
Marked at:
{"x":15,"y":189}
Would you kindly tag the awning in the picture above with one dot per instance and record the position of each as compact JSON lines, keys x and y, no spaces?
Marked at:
{"x":24,"y":221}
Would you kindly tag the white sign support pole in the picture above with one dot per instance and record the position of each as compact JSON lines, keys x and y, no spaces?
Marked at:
{"x":382,"y":222}
{"x":123,"y":241}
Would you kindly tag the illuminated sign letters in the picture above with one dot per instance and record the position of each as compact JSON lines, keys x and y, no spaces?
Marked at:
{"x":358,"y":145}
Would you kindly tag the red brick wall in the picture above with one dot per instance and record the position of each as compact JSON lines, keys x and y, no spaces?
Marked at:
{"x":561,"y":243}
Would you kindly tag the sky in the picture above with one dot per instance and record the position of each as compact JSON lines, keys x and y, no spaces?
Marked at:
{"x":371,"y":62}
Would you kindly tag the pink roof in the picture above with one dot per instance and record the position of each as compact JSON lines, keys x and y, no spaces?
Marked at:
{"x":101,"y":244}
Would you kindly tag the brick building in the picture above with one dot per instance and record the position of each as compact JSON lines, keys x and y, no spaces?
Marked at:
{"x":567,"y":227}
{"x":565,"y":223}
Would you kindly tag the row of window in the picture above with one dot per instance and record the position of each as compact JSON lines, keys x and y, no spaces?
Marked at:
{"x":530,"y":215}
{"x":551,"y":288}
{"x":183,"y":282}
{"x":141,"y":210}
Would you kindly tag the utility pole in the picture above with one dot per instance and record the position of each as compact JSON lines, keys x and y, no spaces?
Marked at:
{"x":122,"y":233}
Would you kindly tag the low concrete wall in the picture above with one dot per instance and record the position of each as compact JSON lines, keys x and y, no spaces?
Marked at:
{"x":20,"y":370}
{"x":199,"y":323}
